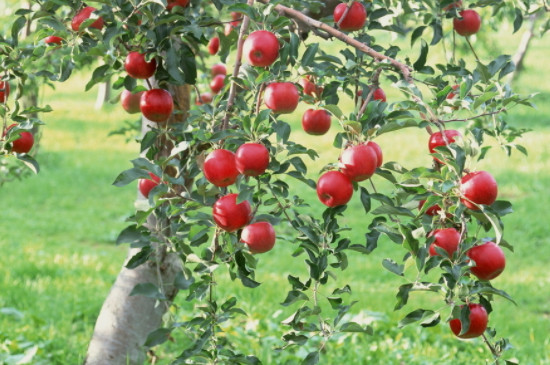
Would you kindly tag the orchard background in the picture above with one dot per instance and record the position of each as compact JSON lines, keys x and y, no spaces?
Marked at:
{"x":58,"y":228}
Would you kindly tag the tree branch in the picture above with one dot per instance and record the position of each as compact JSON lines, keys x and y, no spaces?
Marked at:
{"x":315,"y":24}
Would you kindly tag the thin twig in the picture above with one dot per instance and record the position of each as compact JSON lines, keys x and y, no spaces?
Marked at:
{"x":238,"y":62}
{"x":472,"y":48}
{"x":373,"y":86}
{"x":474,"y":117}
{"x":492,"y":348}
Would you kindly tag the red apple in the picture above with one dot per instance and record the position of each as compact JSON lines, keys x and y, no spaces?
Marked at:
{"x":130,"y":102}
{"x":24,"y":143}
{"x":252,"y":159}
{"x":53,"y":40}
{"x":137,"y":67}
{"x":236,"y":16}
{"x":455,"y":5}
{"x":334,"y":189}
{"x":220,"y":168}
{"x":468,"y":23}
{"x":260,"y":237}
{"x":377,"y":151}
{"x":489,"y":259}
{"x":478,"y":322}
{"x":355,"y":18}
{"x":229,"y":215}
{"x":445,"y":238}
{"x":437,"y":140}
{"x":204,"y":98}
{"x":4,"y":91}
{"x":214,"y":45}
{"x":281,"y":97}
{"x":358,"y":162}
{"x":316,"y":122}
{"x":228,"y":29}
{"x":218,"y":69}
{"x":431,"y":211}
{"x":452,"y":94}
{"x":146,"y":185}
{"x":84,"y":15}
{"x":172,"y":3}
{"x":261,"y":48}
{"x":156,"y":105}
{"x":379,"y":94}
{"x":478,"y":187}
{"x":309,"y":87}
{"x":217,"y":83}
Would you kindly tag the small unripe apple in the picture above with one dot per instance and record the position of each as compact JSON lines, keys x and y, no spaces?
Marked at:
{"x":204,"y":98}
{"x":229,"y":215}
{"x":261,"y":48}
{"x":214,"y":45}
{"x":316,"y":122}
{"x":218,"y":69}
{"x":53,"y":40}
{"x":252,"y":159}
{"x":137,"y":67}
{"x":489,"y":259}
{"x":445,"y":238}
{"x":84,"y":15}
{"x":452,"y":94}
{"x":146,"y":185}
{"x":260,"y":237}
{"x":479,"y":187}
{"x":130,"y":102}
{"x":220,"y":168}
{"x":24,"y":143}
{"x":4,"y":91}
{"x":378,"y":151}
{"x":358,"y":162}
{"x":334,"y":189}
{"x":281,"y":97}
{"x":217,"y":83}
{"x":355,"y":18}
{"x":156,"y":105}
{"x":468,"y":23}
{"x":478,"y":322}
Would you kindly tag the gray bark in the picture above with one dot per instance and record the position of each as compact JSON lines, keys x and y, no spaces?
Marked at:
{"x":103,"y":94}
{"x":523,"y":47}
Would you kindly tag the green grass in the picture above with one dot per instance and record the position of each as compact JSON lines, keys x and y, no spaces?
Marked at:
{"x":58,"y":257}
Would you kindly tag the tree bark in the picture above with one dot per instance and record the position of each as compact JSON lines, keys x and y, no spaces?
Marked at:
{"x":523,"y":47}
{"x":103,"y":94}
{"x":124,"y":321}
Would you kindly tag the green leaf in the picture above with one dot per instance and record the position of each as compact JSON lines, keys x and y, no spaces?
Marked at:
{"x":309,"y":54}
{"x":417,"y":33}
{"x":437,"y":31}
{"x":148,"y":290}
{"x":483,"y":98}
{"x":355,"y":327}
{"x":130,"y":175}
{"x":365,"y":199}
{"x":402,"y":296}
{"x":294,"y":296}
{"x":183,"y":280}
{"x":157,"y":337}
{"x":416,"y":316}
{"x":518,"y":20}
{"x":393,"y":267}
{"x":389,"y":210}
{"x":311,"y":359}
{"x":139,"y":258}
{"x":29,"y":161}
{"x":16,"y":27}
{"x":421,"y":61}
{"x":335,"y":110}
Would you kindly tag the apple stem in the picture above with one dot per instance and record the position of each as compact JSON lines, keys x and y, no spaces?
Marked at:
{"x":494,"y":351}
{"x":472,"y":48}
{"x":149,"y":84}
{"x":238,"y":62}
{"x":474,"y":117}
{"x":258,"y":98}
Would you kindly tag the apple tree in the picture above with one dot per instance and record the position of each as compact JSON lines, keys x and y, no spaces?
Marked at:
{"x":221,"y":175}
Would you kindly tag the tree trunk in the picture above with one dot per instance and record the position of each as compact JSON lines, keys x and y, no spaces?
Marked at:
{"x":125,"y":321}
{"x":103,"y":94}
{"x":523,"y":47}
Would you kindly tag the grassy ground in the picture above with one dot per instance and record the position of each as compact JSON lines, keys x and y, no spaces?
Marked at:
{"x":58,"y":258}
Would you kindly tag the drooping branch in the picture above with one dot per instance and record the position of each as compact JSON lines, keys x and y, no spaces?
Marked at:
{"x":315,"y":24}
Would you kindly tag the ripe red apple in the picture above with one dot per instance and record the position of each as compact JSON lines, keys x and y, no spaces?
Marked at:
{"x":334,"y":189}
{"x":478,"y":187}
{"x":252,"y":159}
{"x":316,"y":122}
{"x":236,"y":16}
{"x":130,"y":102}
{"x":53,"y":40}
{"x":260,"y":237}
{"x":377,"y":151}
{"x":445,"y":238}
{"x":218,"y":69}
{"x":220,"y":168}
{"x":146,"y":185}
{"x":468,"y":23}
{"x":489,"y":259}
{"x":431,"y":211}
{"x":309,"y":87}
{"x":24,"y":143}
{"x":82,"y":16}
{"x":437,"y":140}
{"x":214,"y":45}
{"x":229,"y":215}
{"x":358,"y":162}
{"x":171,"y":3}
{"x":204,"y":98}
{"x":379,"y":94}
{"x":217,"y":83}
{"x":478,"y":322}
{"x":455,"y":5}
{"x":452,"y":94}
{"x":137,"y":67}
{"x":281,"y":97}
{"x":261,"y":48}
{"x":4,"y":91}
{"x":156,"y":105}
{"x":355,"y":18}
